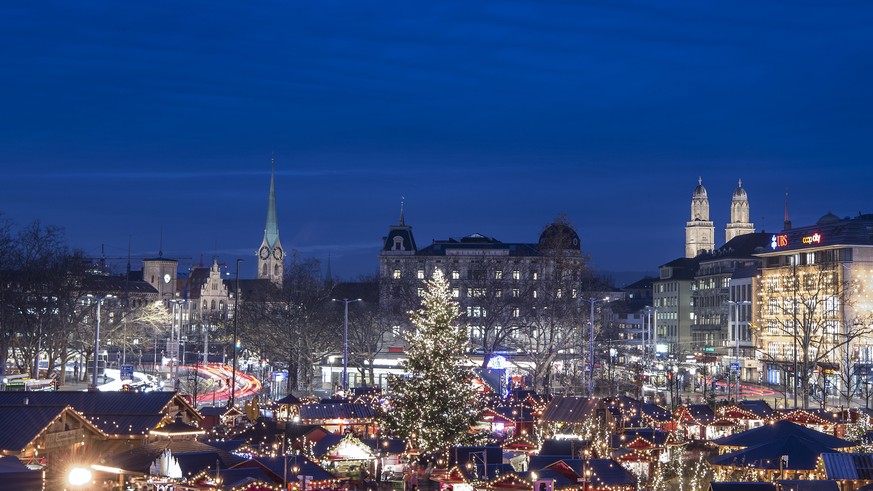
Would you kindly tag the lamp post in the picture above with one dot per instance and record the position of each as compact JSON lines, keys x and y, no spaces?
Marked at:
{"x":100,"y":299}
{"x":235,"y":315}
{"x":592,"y":301}
{"x":346,"y":303}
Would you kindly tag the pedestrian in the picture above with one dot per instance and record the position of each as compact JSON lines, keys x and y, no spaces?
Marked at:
{"x":413,"y":479}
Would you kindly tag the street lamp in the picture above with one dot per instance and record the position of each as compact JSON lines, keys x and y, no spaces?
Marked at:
{"x":235,"y":341}
{"x":736,"y":333}
{"x":346,"y":303}
{"x":650,"y":334}
{"x":592,"y":301}
{"x":100,"y":299}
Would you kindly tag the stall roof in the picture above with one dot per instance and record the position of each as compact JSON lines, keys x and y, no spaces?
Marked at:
{"x":848,"y":466}
{"x":778,"y":430}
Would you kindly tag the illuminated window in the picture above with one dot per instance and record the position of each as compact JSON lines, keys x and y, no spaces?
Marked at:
{"x":456,"y":292}
{"x":516,"y":312}
{"x":498,"y":293}
{"x":421,"y":292}
{"x":516,"y":274}
{"x":498,"y":275}
{"x":516,"y":293}
{"x":535,"y":294}
{"x":396,"y":274}
{"x":535,"y":276}
{"x":456,"y":275}
{"x":421,"y":274}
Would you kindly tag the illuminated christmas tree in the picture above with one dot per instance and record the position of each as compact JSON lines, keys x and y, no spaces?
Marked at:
{"x":435,"y":405}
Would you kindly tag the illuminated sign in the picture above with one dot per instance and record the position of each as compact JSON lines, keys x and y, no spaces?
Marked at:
{"x":778,"y":241}
{"x":812,"y":239}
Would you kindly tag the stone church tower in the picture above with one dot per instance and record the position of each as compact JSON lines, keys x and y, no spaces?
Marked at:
{"x":739,"y":224}
{"x":271,"y":256}
{"x":699,"y":231}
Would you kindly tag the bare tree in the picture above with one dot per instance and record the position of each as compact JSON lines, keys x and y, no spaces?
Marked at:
{"x":551,"y":314}
{"x":803,"y":319}
{"x":369,"y":327}
{"x":294,"y":323}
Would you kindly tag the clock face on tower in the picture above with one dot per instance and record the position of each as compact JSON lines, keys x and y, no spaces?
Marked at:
{"x":265,"y":253}
{"x":277,"y":253}
{"x":166,"y":278}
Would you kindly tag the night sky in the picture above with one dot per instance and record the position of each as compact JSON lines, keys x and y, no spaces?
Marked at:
{"x":123,"y":121}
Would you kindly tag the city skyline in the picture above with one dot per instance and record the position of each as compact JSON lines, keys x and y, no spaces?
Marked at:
{"x":154,"y":125}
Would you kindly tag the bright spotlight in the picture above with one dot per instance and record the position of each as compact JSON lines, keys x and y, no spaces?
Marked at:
{"x":79,"y":476}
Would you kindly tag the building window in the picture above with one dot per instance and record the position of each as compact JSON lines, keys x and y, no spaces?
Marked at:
{"x":498,"y":293}
{"x":535,"y":276}
{"x":560,"y":293}
{"x":421,"y":292}
{"x":516,"y":274}
{"x":421,"y":274}
{"x":476,"y":312}
{"x":398,"y":244}
{"x":535,"y":294}
{"x":516,"y":293}
{"x":516,"y":312}
{"x":498,"y":275}
{"x":456,"y":292}
{"x":396,"y":274}
{"x":456,"y":275}
{"x":395,"y":330}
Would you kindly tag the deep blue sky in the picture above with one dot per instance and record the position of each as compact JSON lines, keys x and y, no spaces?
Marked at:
{"x":122,"y":119}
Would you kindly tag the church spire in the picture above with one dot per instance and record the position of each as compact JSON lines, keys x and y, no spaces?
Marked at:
{"x":271,"y":231}
{"x":271,"y":257}
{"x":402,"y":220}
{"x":786,"y":225}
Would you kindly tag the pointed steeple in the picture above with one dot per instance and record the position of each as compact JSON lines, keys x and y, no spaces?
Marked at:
{"x":786,"y":225}
{"x":271,"y":231}
{"x":402,"y":220}
{"x":271,"y":255}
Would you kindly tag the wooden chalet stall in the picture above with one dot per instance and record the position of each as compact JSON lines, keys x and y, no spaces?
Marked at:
{"x":633,"y":413}
{"x":346,"y":456}
{"x":338,"y":417}
{"x":47,"y":437}
{"x":588,"y":475}
{"x":748,"y":414}
{"x":567,"y":415}
{"x":778,"y":450}
{"x":832,"y":422}
{"x":639,"y":449}
{"x":699,"y":422}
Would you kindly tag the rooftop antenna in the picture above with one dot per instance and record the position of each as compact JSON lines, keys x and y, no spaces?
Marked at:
{"x":786,"y":225}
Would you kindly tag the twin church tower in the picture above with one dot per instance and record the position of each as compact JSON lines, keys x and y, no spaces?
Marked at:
{"x":700,"y":231}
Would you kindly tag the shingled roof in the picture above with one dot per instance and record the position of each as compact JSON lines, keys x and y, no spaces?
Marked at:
{"x":570,"y":409}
